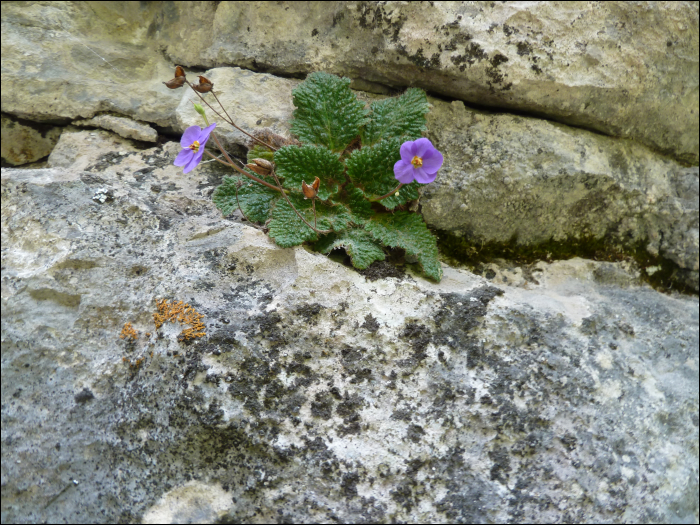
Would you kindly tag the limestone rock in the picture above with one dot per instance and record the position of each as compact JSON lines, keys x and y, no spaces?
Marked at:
{"x":553,"y":392}
{"x":24,"y":142}
{"x":125,"y":127}
{"x":623,"y":69}
{"x":533,"y":181}
{"x":620,"y":68}
{"x":63,"y":62}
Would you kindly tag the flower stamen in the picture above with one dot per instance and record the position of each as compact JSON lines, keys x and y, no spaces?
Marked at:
{"x":195,"y":146}
{"x":417,"y":162}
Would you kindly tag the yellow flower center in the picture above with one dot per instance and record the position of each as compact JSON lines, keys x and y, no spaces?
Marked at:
{"x":417,"y":162}
{"x":195,"y":146}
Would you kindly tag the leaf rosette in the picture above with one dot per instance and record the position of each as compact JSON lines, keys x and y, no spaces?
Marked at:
{"x":354,"y":151}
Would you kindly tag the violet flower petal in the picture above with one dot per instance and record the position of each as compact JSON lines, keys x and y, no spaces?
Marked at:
{"x":421,"y":146}
{"x":423,"y":177}
{"x":403,"y":172}
{"x":406,"y":151}
{"x":183,"y":157}
{"x":205,"y":134}
{"x":196,"y":158}
{"x":190,"y":135}
{"x":433,"y":163}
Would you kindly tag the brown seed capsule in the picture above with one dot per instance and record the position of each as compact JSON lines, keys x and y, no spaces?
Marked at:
{"x":205,"y":85}
{"x":258,"y":169}
{"x":179,"y":79}
{"x":310,"y":191}
{"x":263,"y":163}
{"x":175,"y":82}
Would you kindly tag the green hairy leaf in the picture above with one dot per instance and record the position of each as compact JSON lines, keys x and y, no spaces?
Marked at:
{"x":359,"y":207}
{"x":402,"y":116}
{"x":260,"y":152}
{"x":305,"y":163}
{"x":255,"y":199}
{"x":287,"y":229}
{"x":408,"y":231}
{"x":327,"y":113}
{"x":371,"y":169}
{"x":359,"y":245}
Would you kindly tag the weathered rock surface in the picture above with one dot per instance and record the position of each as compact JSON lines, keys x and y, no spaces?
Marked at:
{"x":554,"y":392}
{"x":622,"y":77}
{"x":24,"y":142}
{"x":548,"y":392}
{"x":67,"y":61}
{"x":624,"y":69}
{"x":530,"y":181}
{"x":621,"y":68}
{"x":124,"y":127}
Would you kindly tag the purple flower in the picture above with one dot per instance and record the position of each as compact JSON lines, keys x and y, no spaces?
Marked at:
{"x":420,"y":161}
{"x":193,"y":141}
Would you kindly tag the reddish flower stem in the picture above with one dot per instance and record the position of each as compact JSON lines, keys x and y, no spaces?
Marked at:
{"x":230,"y":120}
{"x":249,"y":175}
{"x":392,"y":192}
{"x":295,"y":210}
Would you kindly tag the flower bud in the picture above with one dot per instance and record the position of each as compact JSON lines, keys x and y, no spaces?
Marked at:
{"x":199,"y":109}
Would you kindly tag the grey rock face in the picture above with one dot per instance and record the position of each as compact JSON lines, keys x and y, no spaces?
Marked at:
{"x":534,"y":181}
{"x":622,"y":77}
{"x":124,"y":127}
{"x":24,"y":142}
{"x":623,"y":69}
{"x":555,"y":392}
{"x":293,"y":388}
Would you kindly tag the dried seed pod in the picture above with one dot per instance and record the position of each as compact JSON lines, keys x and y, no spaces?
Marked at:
{"x":205,"y":85}
{"x":179,"y":79}
{"x":175,"y":82}
{"x":311,"y":191}
{"x":260,"y":170}
{"x":263,"y":163}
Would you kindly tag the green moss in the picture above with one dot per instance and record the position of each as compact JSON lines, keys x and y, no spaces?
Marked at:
{"x":475,"y":255}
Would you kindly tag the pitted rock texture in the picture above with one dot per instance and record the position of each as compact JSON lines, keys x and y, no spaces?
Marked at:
{"x":524,"y":181}
{"x":24,"y":142}
{"x":593,"y":136}
{"x":620,"y":68}
{"x":318,"y":394}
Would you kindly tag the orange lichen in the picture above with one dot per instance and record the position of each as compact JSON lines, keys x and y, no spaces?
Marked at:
{"x":135,"y":365}
{"x":128,"y":332}
{"x":180,"y":312}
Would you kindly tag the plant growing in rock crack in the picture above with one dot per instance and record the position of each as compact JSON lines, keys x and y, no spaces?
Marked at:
{"x":345,"y":183}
